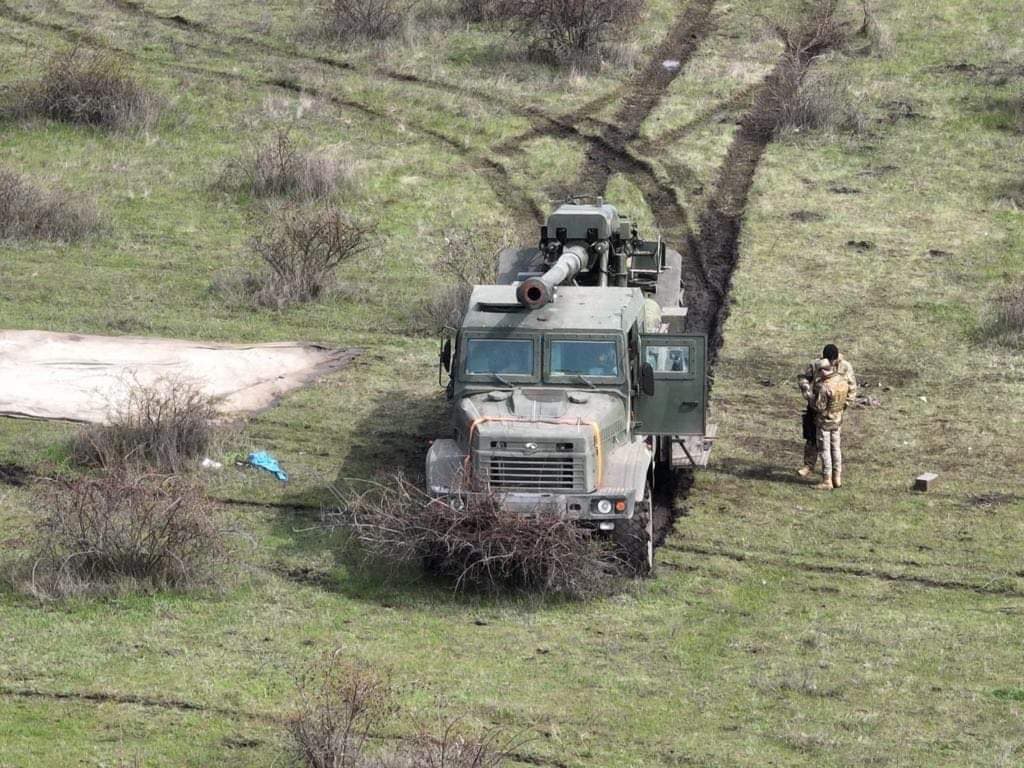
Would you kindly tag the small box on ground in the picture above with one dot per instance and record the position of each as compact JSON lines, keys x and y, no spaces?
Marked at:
{"x":924,"y":482}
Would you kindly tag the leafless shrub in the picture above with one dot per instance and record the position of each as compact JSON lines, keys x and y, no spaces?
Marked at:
{"x":278,"y":168}
{"x":1006,"y":317}
{"x":468,"y":259}
{"x":164,"y":425}
{"x":86,"y":87}
{"x":449,"y":750}
{"x":822,"y":103}
{"x":790,"y":102}
{"x":344,"y":705}
{"x":301,"y":249}
{"x":341,"y":704}
{"x":472,"y":540}
{"x":29,"y":212}
{"x":571,"y":31}
{"x":365,"y":19}
{"x":122,"y":533}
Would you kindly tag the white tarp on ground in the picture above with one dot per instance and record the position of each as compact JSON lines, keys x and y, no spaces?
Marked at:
{"x":79,"y":378}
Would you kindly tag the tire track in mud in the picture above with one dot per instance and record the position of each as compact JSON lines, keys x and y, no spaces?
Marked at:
{"x":713,"y":252}
{"x":645,"y":91}
{"x":842,"y":570}
{"x":131,"y":699}
{"x":182,"y":705}
{"x":498,"y":177}
{"x":540,"y":121}
{"x":608,"y":152}
{"x":717,"y":242}
{"x":495,"y":173}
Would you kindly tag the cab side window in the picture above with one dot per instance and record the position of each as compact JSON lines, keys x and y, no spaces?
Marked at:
{"x":669,"y":359}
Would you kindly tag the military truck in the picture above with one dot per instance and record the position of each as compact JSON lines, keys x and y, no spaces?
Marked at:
{"x":575,"y":385}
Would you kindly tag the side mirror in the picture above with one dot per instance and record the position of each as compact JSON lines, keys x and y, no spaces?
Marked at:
{"x":647,"y":379}
{"x":446,"y":355}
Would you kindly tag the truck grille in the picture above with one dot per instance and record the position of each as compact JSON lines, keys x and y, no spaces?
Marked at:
{"x":534,"y":472}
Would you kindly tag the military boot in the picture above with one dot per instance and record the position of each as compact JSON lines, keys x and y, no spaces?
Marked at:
{"x":825,"y":484}
{"x":837,"y":479}
{"x":810,"y":459}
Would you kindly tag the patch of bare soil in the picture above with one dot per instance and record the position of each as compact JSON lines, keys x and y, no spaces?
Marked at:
{"x":13,"y":474}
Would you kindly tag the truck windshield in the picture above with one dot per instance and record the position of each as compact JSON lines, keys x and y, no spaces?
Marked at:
{"x":500,"y":356}
{"x":587,"y":358}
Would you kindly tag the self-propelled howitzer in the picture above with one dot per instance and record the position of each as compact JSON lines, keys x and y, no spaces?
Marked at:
{"x":574,"y":384}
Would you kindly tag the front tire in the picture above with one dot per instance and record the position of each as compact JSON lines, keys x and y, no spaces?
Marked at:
{"x":634,"y":538}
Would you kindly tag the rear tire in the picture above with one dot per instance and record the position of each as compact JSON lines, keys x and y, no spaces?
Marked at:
{"x":634,"y":538}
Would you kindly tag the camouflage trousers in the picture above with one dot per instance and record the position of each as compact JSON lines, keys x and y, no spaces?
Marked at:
{"x":830,"y":450}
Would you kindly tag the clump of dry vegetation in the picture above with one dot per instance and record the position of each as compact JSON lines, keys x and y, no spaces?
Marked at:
{"x":469,"y":258}
{"x":120,"y":533}
{"x":27,"y":211}
{"x":343,"y":705}
{"x":792,"y":101}
{"x":278,"y":168}
{"x":299,"y":250}
{"x":821,"y":103}
{"x":1006,"y":317}
{"x":471,"y":540}
{"x":575,"y":32}
{"x":345,"y":20}
{"x":85,"y":87}
{"x":164,"y":425}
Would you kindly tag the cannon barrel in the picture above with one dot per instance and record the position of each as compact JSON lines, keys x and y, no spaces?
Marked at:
{"x":535,"y":292}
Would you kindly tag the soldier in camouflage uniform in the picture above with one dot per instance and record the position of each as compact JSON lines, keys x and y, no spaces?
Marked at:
{"x":806,"y":381}
{"x":830,"y":393}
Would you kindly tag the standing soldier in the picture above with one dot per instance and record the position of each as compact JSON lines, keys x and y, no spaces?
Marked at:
{"x":806,"y":381}
{"x":830,"y":396}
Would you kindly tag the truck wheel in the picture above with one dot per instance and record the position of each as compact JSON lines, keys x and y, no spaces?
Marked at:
{"x":634,"y":538}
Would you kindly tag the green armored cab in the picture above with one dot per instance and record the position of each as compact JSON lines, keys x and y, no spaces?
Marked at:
{"x":574,"y":383}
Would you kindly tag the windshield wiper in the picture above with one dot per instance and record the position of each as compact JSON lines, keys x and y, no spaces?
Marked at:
{"x":503,"y":380}
{"x":586,"y":381}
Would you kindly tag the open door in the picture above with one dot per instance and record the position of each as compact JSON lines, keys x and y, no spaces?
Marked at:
{"x":679,"y":403}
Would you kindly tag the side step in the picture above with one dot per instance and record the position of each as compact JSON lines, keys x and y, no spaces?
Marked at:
{"x":693,"y":451}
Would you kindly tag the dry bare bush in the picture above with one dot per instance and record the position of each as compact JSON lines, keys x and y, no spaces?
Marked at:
{"x":821,"y":103}
{"x":86,"y":87}
{"x":341,"y":704}
{"x":469,"y":258}
{"x":1006,"y":319}
{"x":300,"y":250}
{"x":29,"y":212}
{"x":571,"y":31}
{"x":791,"y":102}
{"x":165,"y":425}
{"x":278,"y":168}
{"x":119,"y":533}
{"x":344,"y":706}
{"x":471,"y":540}
{"x":365,"y":19}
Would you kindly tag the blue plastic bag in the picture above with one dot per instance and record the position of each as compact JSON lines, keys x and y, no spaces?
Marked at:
{"x":263,"y":460}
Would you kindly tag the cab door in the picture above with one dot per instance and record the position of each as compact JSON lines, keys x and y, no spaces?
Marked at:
{"x":679,"y":403}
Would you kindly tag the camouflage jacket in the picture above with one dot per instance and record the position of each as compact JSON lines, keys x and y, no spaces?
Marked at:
{"x":830,"y":397}
{"x":845,"y":371}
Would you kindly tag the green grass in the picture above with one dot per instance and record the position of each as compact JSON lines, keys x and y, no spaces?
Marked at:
{"x":871,"y":626}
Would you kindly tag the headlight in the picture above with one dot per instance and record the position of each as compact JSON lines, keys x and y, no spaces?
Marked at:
{"x":604,"y":506}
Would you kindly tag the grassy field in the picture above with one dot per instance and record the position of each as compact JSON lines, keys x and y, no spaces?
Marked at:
{"x":869,"y":626}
